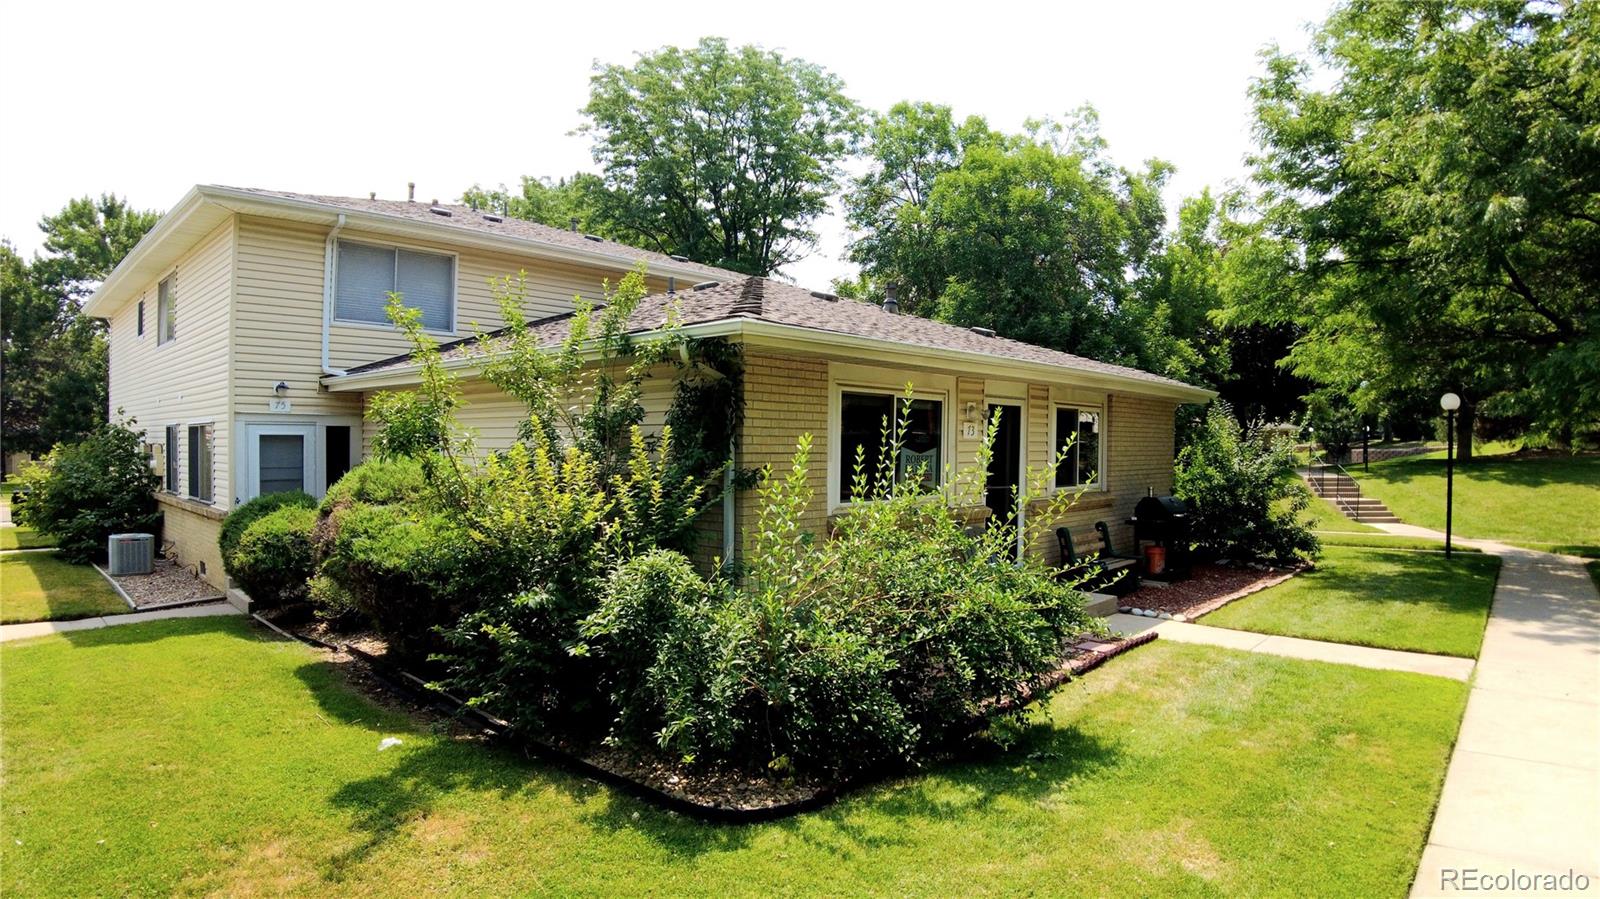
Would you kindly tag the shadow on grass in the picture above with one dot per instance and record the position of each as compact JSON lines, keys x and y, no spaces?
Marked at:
{"x":132,"y":634}
{"x":424,"y":776}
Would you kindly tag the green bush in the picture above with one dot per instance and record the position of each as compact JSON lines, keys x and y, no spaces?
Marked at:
{"x":872,"y":648}
{"x":1243,"y":497}
{"x":272,"y":560}
{"x":380,"y":482}
{"x":233,"y":527}
{"x":81,"y":493}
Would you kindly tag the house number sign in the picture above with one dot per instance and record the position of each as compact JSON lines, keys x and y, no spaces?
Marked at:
{"x":278,"y":404}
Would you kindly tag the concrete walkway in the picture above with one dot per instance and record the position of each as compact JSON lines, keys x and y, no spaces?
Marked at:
{"x":1296,"y":647}
{"x":1522,"y":794}
{"x":9,"y":632}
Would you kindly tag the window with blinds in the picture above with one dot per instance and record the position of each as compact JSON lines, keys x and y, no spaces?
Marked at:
{"x":366,"y":274}
{"x":200,"y":470}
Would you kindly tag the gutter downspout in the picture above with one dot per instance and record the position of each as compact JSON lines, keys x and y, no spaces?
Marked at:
{"x":327,"y":295}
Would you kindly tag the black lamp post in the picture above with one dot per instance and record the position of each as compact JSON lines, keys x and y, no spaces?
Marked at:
{"x":1449,"y":403}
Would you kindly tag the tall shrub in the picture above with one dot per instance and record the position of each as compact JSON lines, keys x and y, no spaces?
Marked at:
{"x":233,"y":527}
{"x":1245,"y":501}
{"x":81,"y":493}
{"x":272,"y":560}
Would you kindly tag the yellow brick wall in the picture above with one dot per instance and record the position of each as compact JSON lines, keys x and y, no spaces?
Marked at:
{"x":784,"y":396}
{"x":787,"y":395}
{"x":189,"y":532}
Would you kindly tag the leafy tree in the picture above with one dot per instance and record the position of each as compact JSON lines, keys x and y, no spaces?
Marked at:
{"x":724,"y":155}
{"x":54,"y":358}
{"x":555,"y":203}
{"x":1033,"y":235}
{"x":1434,"y":215}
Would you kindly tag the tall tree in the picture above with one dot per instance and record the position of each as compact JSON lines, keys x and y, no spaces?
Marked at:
{"x":54,"y":358}
{"x":724,"y":155}
{"x":1034,"y":234}
{"x":1435,"y":213}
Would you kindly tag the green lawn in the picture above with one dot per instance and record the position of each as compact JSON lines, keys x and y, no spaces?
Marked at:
{"x":1325,"y":517}
{"x":23,"y":538}
{"x":1542,"y":502}
{"x":1380,"y":540}
{"x":41,"y":587}
{"x":1174,"y":770}
{"x":1396,"y":600}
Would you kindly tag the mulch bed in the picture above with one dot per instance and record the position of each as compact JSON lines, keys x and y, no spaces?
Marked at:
{"x":167,"y":584}
{"x":1209,"y":587}
{"x":716,"y":793}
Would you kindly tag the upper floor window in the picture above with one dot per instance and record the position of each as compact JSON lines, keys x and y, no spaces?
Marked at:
{"x":1081,"y":464}
{"x":366,"y":274}
{"x":166,"y":312}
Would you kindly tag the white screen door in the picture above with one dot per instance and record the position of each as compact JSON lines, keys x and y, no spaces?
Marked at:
{"x":282,"y":458}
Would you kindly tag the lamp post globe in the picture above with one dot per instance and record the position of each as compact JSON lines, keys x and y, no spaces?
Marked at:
{"x":1449,"y":403}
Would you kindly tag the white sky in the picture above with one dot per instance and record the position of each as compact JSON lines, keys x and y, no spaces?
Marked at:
{"x":146,"y":100}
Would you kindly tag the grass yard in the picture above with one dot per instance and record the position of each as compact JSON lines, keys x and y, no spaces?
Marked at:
{"x":41,"y":587}
{"x":1542,"y":502}
{"x":1372,"y":597}
{"x":1174,"y":770}
{"x":1326,"y":517}
{"x":23,"y":538}
{"x":1380,"y":540}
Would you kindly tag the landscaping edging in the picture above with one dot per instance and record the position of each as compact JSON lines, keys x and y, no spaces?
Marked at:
{"x":405,"y":682}
{"x":1212,"y":605}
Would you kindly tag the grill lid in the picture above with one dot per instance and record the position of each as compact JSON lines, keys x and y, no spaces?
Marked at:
{"x":1160,"y":508}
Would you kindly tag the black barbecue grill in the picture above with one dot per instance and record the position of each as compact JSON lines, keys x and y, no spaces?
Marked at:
{"x":1163,"y":521}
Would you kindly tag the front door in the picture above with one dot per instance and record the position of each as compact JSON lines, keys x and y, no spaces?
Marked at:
{"x":1005,"y":464}
{"x":282,"y":458}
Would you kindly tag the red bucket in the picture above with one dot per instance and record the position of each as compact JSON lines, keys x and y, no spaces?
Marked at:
{"x":1155,"y":560}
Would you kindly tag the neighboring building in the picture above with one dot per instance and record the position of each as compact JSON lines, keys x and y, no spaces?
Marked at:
{"x":247,"y":330}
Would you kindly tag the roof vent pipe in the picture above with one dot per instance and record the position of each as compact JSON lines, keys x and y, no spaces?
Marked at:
{"x":672,"y":286}
{"x":372,"y":195}
{"x":574,"y":223}
{"x":891,"y":298}
{"x":411,"y":191}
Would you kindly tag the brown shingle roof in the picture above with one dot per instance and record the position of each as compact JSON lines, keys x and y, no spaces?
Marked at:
{"x":465,"y":218}
{"x":762,"y":299}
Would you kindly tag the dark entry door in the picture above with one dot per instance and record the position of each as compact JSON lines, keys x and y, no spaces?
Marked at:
{"x":1005,"y":464}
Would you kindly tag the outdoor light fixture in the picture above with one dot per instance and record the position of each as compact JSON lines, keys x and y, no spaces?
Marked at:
{"x":281,"y":388}
{"x":1449,"y":403}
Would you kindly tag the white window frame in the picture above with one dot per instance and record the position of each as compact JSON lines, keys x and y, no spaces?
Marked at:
{"x":314,"y":428}
{"x":211,"y":455}
{"x":836,"y":392}
{"x":1101,"y":481}
{"x":455,"y":289}
{"x":163,"y":316}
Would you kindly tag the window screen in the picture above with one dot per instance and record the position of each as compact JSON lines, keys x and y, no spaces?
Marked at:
{"x":863,"y":419}
{"x":166,"y":313}
{"x":140,"y":330}
{"x":281,"y":459}
{"x":1081,"y":464}
{"x":200,"y":462}
{"x":172,"y":458}
{"x":366,"y":275}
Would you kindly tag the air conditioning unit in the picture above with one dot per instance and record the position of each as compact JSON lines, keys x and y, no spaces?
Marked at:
{"x":131,"y":553}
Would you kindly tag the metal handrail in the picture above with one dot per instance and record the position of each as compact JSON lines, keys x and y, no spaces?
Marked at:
{"x":1349,"y":509}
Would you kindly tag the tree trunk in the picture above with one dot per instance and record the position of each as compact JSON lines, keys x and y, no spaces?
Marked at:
{"x":1464,"y":432}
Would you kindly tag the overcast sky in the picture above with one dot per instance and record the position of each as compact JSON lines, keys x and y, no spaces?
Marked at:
{"x":146,"y":100}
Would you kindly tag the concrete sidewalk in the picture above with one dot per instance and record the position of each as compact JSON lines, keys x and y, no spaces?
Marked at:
{"x":1522,"y":794}
{"x":1296,"y":647}
{"x":9,"y":632}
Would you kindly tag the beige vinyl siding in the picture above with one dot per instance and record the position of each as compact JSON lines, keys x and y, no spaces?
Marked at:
{"x":494,"y":416}
{"x":183,"y":381}
{"x":278,"y":327}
